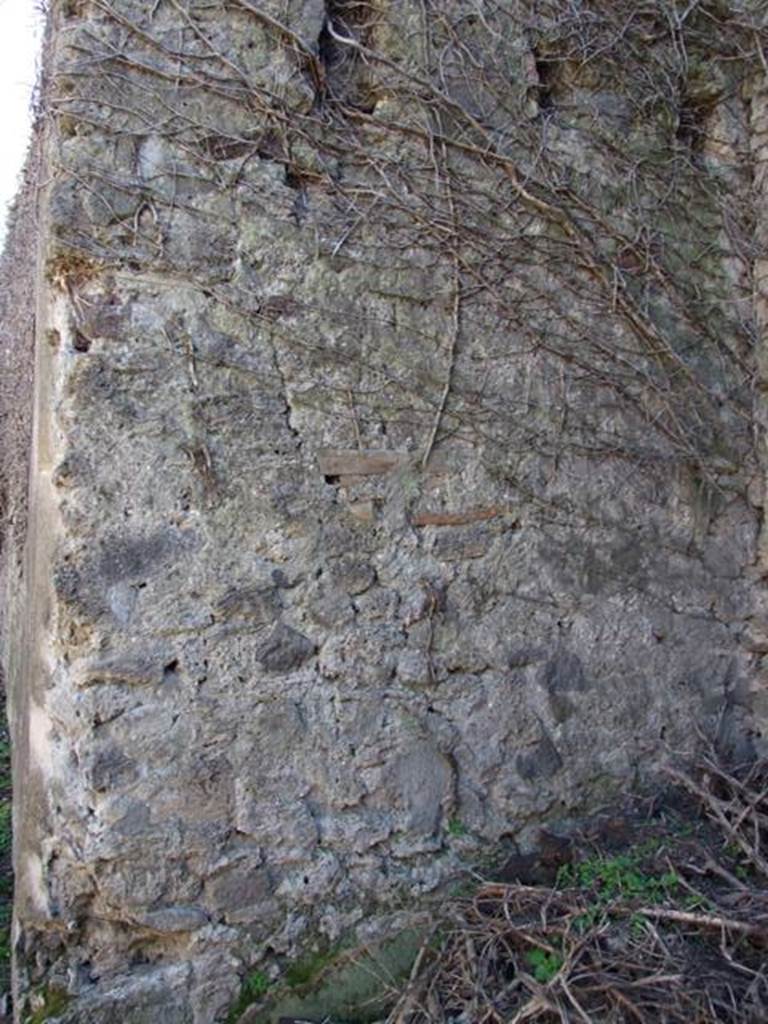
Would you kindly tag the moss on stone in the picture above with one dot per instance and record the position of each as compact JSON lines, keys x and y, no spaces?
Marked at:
{"x":309,"y":967}
{"x":55,"y":1002}
{"x":350,"y":985}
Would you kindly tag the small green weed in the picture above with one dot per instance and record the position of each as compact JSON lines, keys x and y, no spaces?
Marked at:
{"x":693,"y":901}
{"x":685,"y":829}
{"x":637,"y":924}
{"x":256,"y":984}
{"x":609,"y":879}
{"x":55,"y":1002}
{"x":6,"y":837}
{"x":255,"y":987}
{"x":308,"y":967}
{"x":619,"y":877}
{"x":457,"y":828}
{"x":545,"y":965}
{"x":5,"y":798}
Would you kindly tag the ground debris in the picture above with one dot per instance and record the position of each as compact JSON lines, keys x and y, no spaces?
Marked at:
{"x":671,"y":928}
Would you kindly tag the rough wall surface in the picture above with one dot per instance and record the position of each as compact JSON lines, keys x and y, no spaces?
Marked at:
{"x":17,"y":357}
{"x":395,"y":484}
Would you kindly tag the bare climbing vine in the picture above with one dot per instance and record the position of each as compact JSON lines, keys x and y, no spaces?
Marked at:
{"x":547,"y":205}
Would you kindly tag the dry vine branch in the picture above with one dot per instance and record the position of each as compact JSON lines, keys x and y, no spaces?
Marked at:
{"x":459,"y":157}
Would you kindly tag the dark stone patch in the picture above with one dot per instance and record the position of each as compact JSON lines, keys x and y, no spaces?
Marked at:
{"x":71,"y":471}
{"x":565,"y":672}
{"x":130,"y":668}
{"x":522,"y":656}
{"x":457,"y":544}
{"x":102,"y":316}
{"x":274,"y":307}
{"x":111,"y":768}
{"x":239,"y":888}
{"x":541,"y":762}
{"x":98,"y":380}
{"x":260,"y":603}
{"x":135,"y":821}
{"x":127,"y":558}
{"x":541,"y":866}
{"x":66,"y":583}
{"x":285,"y":649}
{"x":352,"y":574}
{"x":626,"y":560}
{"x":81,"y":342}
{"x":171,"y":920}
{"x":562,"y":707}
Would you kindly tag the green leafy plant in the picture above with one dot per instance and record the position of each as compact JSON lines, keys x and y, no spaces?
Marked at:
{"x":256,"y":984}
{"x":308,"y":967}
{"x":694,"y":901}
{"x":618,"y":878}
{"x":457,"y":828}
{"x":255,"y":987}
{"x":55,"y":1002}
{"x":637,"y":924}
{"x":6,"y":837}
{"x":544,"y":964}
{"x":5,"y":798}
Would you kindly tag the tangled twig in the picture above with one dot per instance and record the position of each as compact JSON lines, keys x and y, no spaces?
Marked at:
{"x":516,"y":952}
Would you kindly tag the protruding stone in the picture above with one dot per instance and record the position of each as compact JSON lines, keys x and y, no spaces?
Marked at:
{"x":285,"y":650}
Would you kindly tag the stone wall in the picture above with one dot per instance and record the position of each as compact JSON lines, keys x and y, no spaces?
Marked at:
{"x":397,"y":478}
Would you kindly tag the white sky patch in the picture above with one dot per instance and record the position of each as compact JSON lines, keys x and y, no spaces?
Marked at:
{"x":20,"y":35}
